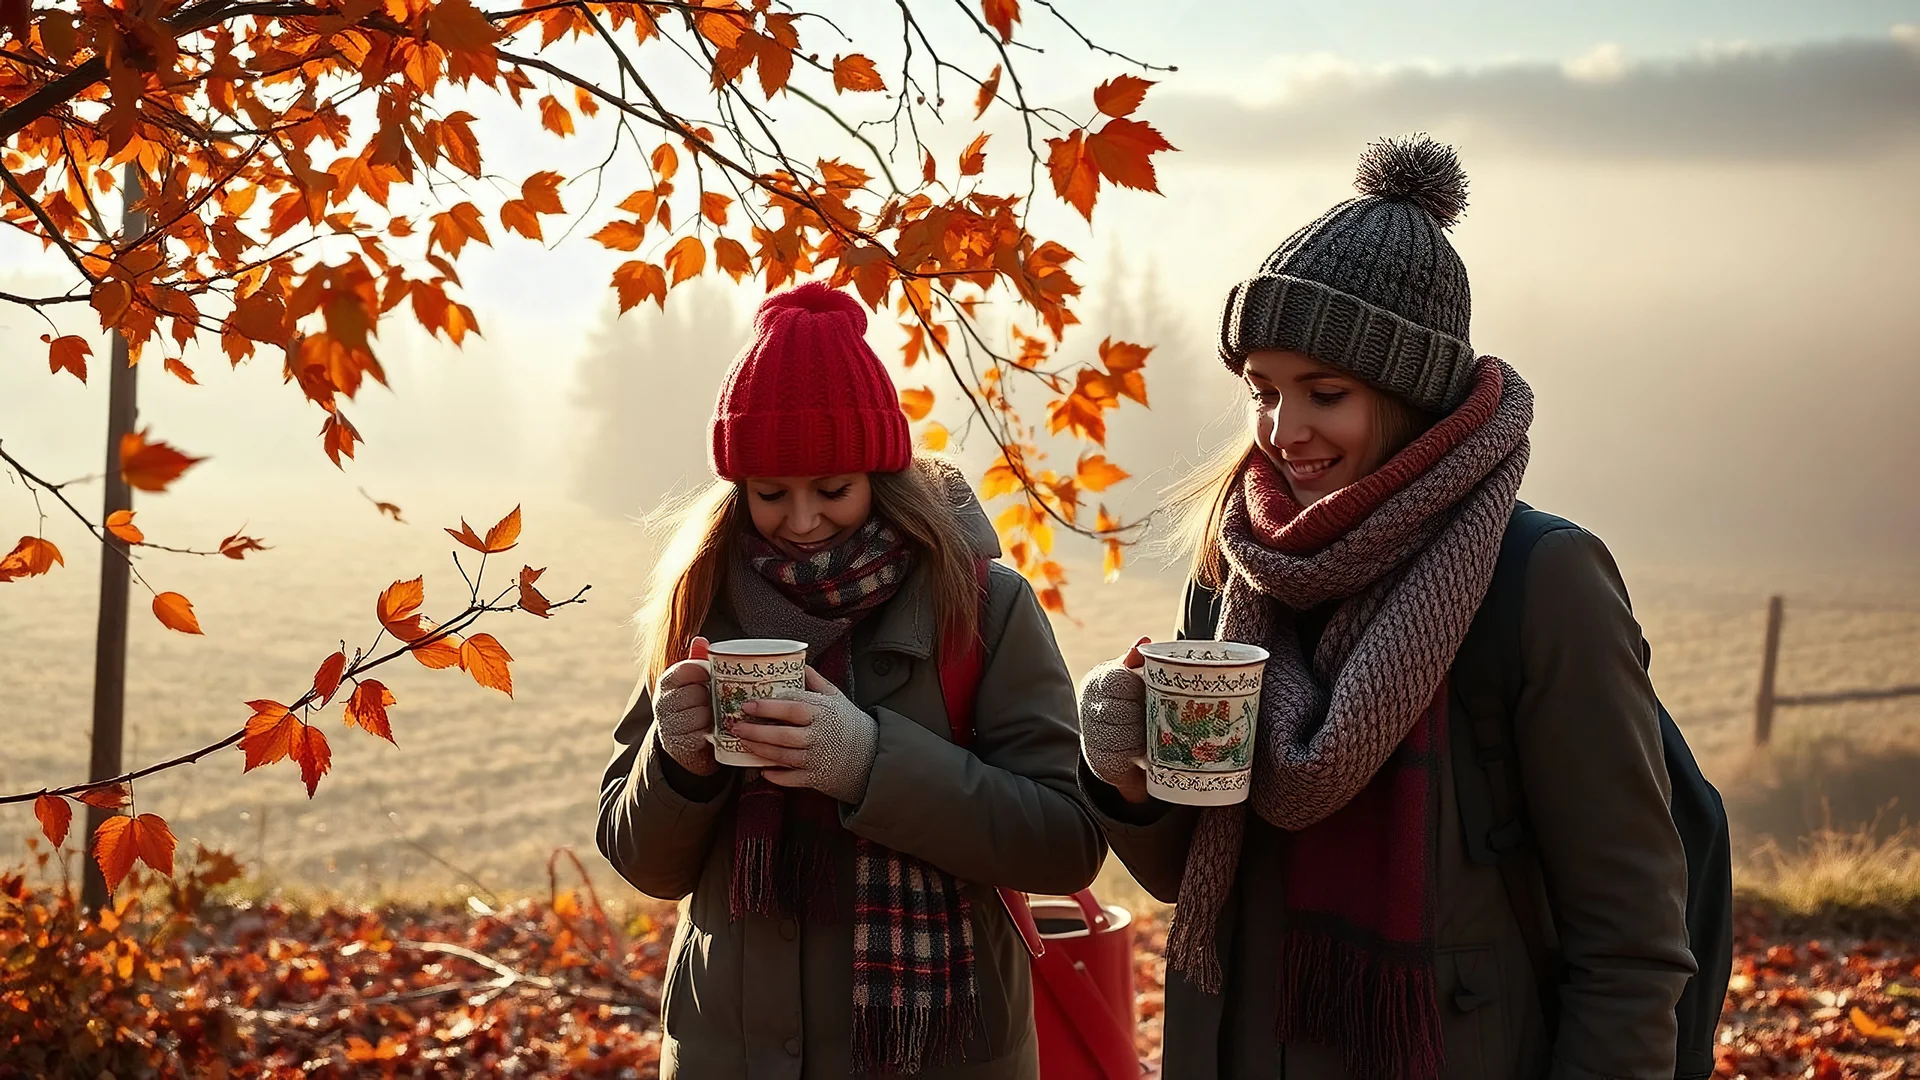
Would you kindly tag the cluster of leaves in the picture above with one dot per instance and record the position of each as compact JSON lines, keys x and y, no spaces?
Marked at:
{"x":280,"y":732}
{"x":169,"y":984}
{"x":302,"y":174}
{"x":1826,"y":1008}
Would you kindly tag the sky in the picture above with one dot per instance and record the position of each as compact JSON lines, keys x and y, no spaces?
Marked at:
{"x":1691,"y":228}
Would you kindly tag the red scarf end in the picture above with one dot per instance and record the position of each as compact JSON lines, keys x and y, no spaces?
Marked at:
{"x":1383,"y":1015}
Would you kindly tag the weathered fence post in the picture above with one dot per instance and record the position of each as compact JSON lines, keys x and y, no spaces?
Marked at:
{"x":1764,"y":702}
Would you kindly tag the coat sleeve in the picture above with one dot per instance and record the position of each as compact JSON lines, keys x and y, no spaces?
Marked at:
{"x":1005,"y":811}
{"x":657,"y":820}
{"x":1587,"y":733}
{"x":1152,"y":839}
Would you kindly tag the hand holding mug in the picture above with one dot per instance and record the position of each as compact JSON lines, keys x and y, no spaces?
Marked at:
{"x":683,"y":712}
{"x":1113,"y":724}
{"x":816,"y":738}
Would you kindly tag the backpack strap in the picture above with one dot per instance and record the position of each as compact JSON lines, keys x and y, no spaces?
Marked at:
{"x":960,"y":674}
{"x":1485,"y":683}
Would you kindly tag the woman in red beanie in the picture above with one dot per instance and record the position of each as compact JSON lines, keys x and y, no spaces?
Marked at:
{"x":840,"y":917}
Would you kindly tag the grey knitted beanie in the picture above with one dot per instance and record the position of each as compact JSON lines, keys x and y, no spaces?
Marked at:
{"x":1371,"y":286}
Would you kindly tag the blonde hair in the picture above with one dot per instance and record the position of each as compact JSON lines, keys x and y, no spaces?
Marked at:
{"x":1198,"y":503}
{"x":701,"y":530}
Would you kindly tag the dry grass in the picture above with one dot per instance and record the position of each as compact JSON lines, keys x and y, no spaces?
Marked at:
{"x":1856,"y":881}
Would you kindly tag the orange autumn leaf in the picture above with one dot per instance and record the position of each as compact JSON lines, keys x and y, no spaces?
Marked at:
{"x":916,"y":403}
{"x":337,"y":436}
{"x":555,"y":117}
{"x":635,"y":281}
{"x":1096,"y":473}
{"x":622,"y":235}
{"x":1111,"y":563}
{"x":686,"y":258}
{"x":175,"y":612}
{"x":974,"y":158}
{"x":121,"y":840}
{"x":120,"y":523}
{"x":502,"y":536}
{"x":32,"y":556}
{"x":531,"y":599}
{"x":641,"y":204}
{"x":1001,"y":15}
{"x":151,"y":466}
{"x":1102,"y":523}
{"x":541,"y":191}
{"x":367,"y":708}
{"x":440,"y":653}
{"x":713,"y":206}
{"x":988,"y":90}
{"x":856,"y":73}
{"x":730,"y":255}
{"x":55,"y":815}
{"x":1075,"y":178}
{"x":1119,"y":96}
{"x":236,"y":546}
{"x":399,"y":609}
{"x":269,"y":736}
{"x":1123,"y":151}
{"x":933,"y":438}
{"x":68,"y":353}
{"x":486,"y":660}
{"x":665,"y":161}
{"x":180,"y":371}
{"x":308,"y":747}
{"x":518,"y":216}
{"x":326,"y":681}
{"x":106,"y":796}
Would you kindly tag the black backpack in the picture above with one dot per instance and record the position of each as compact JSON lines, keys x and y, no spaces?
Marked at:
{"x":1486,"y":694}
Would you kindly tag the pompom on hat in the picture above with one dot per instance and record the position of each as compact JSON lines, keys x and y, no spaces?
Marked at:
{"x":807,"y":396}
{"x":1371,"y":286}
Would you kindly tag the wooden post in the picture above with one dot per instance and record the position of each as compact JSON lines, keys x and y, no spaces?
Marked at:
{"x":110,"y":639}
{"x":1769,"y":663}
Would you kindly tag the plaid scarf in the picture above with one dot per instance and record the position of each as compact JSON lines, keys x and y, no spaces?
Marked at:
{"x":1348,"y":747}
{"x":915,"y":999}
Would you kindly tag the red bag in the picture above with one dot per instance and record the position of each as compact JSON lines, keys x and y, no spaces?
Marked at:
{"x":1082,"y":952}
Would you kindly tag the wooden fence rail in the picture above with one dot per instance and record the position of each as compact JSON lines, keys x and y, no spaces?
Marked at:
{"x":1768,"y":699}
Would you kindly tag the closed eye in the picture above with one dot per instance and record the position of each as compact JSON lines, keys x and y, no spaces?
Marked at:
{"x":838,"y":493}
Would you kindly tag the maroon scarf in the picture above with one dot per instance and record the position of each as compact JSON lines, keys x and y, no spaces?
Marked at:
{"x":1348,"y":746}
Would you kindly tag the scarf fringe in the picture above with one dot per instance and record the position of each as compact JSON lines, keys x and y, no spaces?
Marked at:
{"x":1383,"y":1016}
{"x":783,"y":855}
{"x":902,"y":1040}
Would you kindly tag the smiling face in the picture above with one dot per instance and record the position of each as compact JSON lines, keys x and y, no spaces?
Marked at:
{"x":802,"y":516}
{"x":1323,"y":428}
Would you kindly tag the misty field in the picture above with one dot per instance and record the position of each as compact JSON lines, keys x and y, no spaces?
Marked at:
{"x":485,"y":786}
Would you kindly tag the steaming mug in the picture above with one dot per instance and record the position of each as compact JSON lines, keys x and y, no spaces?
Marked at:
{"x":743,"y":669}
{"x":1203,"y":706}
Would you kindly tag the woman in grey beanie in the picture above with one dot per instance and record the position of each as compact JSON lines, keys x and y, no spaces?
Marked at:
{"x":1344,"y":922}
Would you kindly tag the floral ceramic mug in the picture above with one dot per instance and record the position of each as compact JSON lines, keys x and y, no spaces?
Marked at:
{"x":747,"y":668}
{"x":1203,"y":705}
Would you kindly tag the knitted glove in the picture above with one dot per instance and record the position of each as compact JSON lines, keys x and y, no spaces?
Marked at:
{"x":683,"y":714}
{"x":1113,"y":724}
{"x":822,"y":740}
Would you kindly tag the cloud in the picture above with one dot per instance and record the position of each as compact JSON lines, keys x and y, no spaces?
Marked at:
{"x":1833,"y":99}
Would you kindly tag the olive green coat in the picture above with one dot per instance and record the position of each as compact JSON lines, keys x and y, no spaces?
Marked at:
{"x":765,"y":999}
{"x":1594,"y":777}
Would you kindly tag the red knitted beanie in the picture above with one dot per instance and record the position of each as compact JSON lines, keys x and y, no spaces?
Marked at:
{"x":808,"y":397}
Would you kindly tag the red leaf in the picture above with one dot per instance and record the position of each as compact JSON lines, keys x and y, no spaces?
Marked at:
{"x":1123,"y":151}
{"x":531,"y":599}
{"x":399,"y":609}
{"x":974,"y":158}
{"x":175,"y":612}
{"x":1075,"y":178}
{"x":151,"y":466}
{"x":337,"y":436}
{"x":120,"y":523}
{"x":367,"y":708}
{"x":987,"y":91}
{"x":1001,"y":15}
{"x":326,"y":681}
{"x":269,"y":734}
{"x":309,"y":748}
{"x":486,"y":660}
{"x":121,"y":840}
{"x":1121,"y":95}
{"x":68,"y":353}
{"x":55,"y":815}
{"x":236,"y":546}
{"x":856,"y":73}
{"x":106,"y":796}
{"x":30,"y":557}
